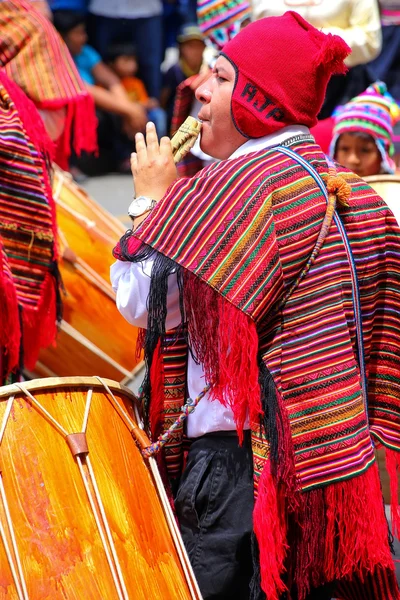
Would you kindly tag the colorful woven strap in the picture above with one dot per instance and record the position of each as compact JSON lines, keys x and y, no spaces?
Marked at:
{"x":353,"y":271}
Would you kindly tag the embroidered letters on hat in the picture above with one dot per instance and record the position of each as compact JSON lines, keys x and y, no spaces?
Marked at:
{"x":283,"y":65}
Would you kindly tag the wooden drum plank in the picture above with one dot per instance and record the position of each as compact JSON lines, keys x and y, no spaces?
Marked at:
{"x":60,"y":545}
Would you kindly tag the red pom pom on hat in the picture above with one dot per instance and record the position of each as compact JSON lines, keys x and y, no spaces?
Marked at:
{"x":283,"y":65}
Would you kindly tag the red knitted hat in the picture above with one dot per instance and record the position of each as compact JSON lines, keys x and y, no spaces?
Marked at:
{"x":283,"y":65}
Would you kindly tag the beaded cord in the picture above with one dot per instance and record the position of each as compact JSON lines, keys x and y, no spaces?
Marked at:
{"x":186,"y":410}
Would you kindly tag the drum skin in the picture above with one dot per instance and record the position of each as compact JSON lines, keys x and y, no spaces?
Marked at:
{"x":94,"y":338}
{"x":58,"y":542}
{"x":388,"y":187}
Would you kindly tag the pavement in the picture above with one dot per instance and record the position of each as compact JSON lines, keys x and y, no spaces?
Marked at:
{"x":113,"y":192}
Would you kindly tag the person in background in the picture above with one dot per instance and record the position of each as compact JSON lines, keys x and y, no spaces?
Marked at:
{"x":191,"y":48}
{"x":136,"y":21}
{"x":362,"y":136}
{"x":219,"y":23}
{"x":386,"y":66}
{"x":122,"y":59}
{"x":356,"y":21}
{"x":119,"y":118}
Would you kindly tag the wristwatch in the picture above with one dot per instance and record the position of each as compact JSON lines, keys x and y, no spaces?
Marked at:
{"x":140,"y":205}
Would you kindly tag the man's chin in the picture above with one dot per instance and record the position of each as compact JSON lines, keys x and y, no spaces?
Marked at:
{"x":207,"y":147}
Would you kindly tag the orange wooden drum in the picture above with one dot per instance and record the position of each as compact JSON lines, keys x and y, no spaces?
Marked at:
{"x":388,"y":187}
{"x":94,"y":338}
{"x":82,"y":515}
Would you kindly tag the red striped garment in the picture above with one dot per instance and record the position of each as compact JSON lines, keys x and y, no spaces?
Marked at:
{"x":28,"y":274}
{"x":35,"y":57}
{"x":243,"y":230}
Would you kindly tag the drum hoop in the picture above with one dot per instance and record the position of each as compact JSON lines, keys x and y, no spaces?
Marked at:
{"x":112,"y":221}
{"x":382,"y":178}
{"x":63,"y":382}
{"x":77,"y":335}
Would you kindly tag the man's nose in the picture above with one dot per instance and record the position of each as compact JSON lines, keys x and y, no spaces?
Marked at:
{"x":203,"y":93}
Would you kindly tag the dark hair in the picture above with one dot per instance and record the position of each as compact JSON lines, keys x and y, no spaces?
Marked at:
{"x":65,"y":20}
{"x":119,"y":49}
{"x":367,"y":137}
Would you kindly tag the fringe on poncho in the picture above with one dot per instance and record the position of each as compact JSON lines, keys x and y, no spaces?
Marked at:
{"x":240,"y":234}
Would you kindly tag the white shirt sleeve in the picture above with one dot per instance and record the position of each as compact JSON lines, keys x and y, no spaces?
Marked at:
{"x":131,"y":283}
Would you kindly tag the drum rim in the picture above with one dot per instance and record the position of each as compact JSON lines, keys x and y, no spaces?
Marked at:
{"x":44,"y":383}
{"x":383,"y":178}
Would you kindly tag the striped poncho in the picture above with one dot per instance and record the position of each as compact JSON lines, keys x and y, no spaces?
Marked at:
{"x":283,"y":350}
{"x":35,"y":57}
{"x":29,"y":294}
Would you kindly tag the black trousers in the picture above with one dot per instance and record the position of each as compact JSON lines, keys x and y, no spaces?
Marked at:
{"x":214,"y":505}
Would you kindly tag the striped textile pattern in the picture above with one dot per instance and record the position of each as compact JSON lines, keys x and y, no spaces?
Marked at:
{"x":35,"y":57}
{"x":246,"y":227}
{"x":174,"y":360}
{"x":390,"y":12}
{"x":380,"y":584}
{"x":27,"y":223}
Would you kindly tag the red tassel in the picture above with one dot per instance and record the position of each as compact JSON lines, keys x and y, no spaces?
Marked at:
{"x":338,"y":532}
{"x":10,"y":330}
{"x":157,"y":394}
{"x":133,"y":247}
{"x":270,"y":530}
{"x":225,"y":340}
{"x":40,"y":324}
{"x":379,"y":585}
{"x":356,"y":539}
{"x":80,"y":126}
{"x":393,"y":469}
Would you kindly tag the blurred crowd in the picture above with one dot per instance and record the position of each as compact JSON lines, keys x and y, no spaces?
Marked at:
{"x":143,"y":59}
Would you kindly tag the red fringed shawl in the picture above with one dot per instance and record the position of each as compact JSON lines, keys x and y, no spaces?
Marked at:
{"x":243,"y":230}
{"x":37,"y":59}
{"x":28,"y":273}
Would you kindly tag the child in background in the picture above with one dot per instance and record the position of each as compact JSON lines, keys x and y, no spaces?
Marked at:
{"x":122,"y":59}
{"x":363,"y":138}
{"x":363,"y":132}
{"x":191,"y":47}
{"x":118,"y":118}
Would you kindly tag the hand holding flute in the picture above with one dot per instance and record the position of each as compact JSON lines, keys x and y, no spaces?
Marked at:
{"x":154,"y":164}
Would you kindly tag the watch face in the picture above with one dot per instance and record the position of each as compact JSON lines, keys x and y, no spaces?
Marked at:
{"x":139,"y":206}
